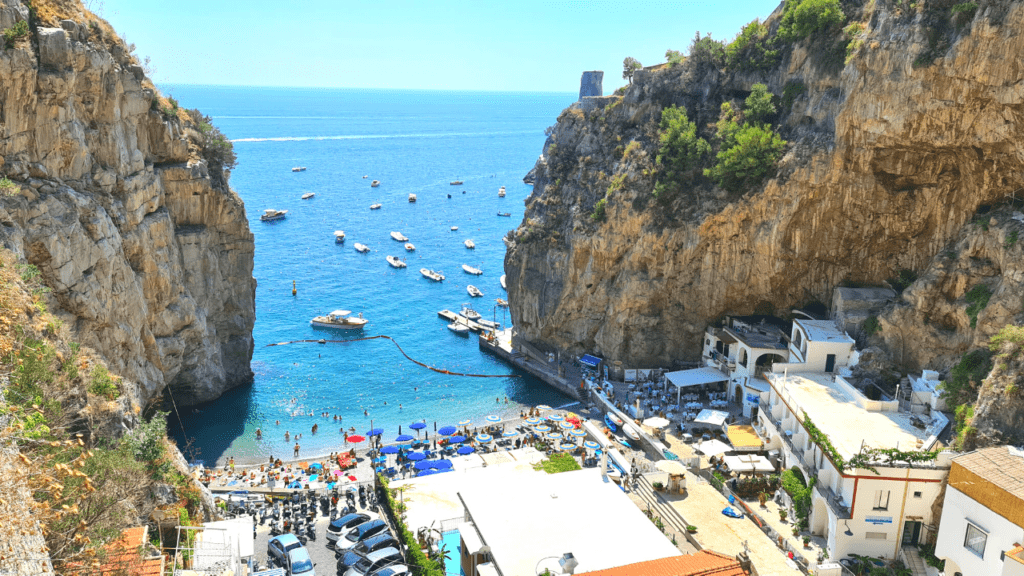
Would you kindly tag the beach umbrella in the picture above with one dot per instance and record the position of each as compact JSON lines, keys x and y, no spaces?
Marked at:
{"x":483,"y":438}
{"x":403,"y":438}
{"x":426,"y":473}
{"x":543,"y":428}
{"x":417,"y":425}
{"x":510,"y":434}
{"x":457,"y":439}
{"x":555,"y":417}
{"x":441,"y":464}
{"x":389,"y":450}
{"x":464,"y":422}
{"x":544,"y":407}
{"x":423,"y":465}
{"x":416,"y":456}
{"x":493,"y":419}
{"x":553,"y":436}
{"x":316,"y":465}
{"x":447,"y":430}
{"x":566,"y":425}
{"x":578,"y":433}
{"x":656,"y":422}
{"x":567,"y":446}
{"x":532,"y":420}
{"x":591,"y":444}
{"x":375,"y":432}
{"x":356,"y":438}
{"x":466,"y":450}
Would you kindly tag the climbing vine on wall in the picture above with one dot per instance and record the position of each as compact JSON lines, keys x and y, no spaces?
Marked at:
{"x":823,"y":442}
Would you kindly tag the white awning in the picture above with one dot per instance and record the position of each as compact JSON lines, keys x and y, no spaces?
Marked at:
{"x":471,"y":538}
{"x":711,"y":417}
{"x":696,"y":377}
{"x":713,"y":447}
{"x":748,"y":463}
{"x":487,"y":569}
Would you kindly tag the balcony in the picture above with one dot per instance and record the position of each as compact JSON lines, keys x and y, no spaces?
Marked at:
{"x":835,"y":503}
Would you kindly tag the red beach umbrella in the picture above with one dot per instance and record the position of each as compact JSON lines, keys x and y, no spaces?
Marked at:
{"x":356,"y":438}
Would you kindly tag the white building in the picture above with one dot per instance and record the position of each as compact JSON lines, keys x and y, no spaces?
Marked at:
{"x":744,"y":349}
{"x":858,"y":511}
{"x":982,"y":524}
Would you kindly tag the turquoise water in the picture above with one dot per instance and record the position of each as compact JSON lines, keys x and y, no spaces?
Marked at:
{"x":413,"y":142}
{"x":451,"y":540}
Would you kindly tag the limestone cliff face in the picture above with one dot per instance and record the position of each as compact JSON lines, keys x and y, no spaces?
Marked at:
{"x":886,"y":162}
{"x":147,"y":251}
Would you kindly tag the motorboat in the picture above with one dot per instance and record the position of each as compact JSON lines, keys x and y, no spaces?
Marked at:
{"x":339,"y":319}
{"x":270,"y":214}
{"x":474,"y":291}
{"x":365,"y":176}
{"x":362,"y":248}
{"x":455,"y":228}
{"x":468,"y":312}
{"x":470,"y":270}
{"x":339,"y":236}
{"x":412,"y":197}
{"x":460,"y":329}
{"x":505,"y":214}
{"x":456,"y":182}
{"x":613,"y":422}
{"x":375,"y":183}
{"x":395,"y":262}
{"x":399,"y":237}
{"x":502,"y":280}
{"x":409,"y":247}
{"x":469,"y":244}
{"x":374,"y":206}
{"x":630,"y":432}
{"x":431,"y":275}
{"x":299,"y":169}
{"x":501,"y":192}
{"x":502,"y":303}
{"x":308,"y":195}
{"x":488,"y":324}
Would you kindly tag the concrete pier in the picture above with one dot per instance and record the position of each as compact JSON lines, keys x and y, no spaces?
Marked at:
{"x":531,"y":362}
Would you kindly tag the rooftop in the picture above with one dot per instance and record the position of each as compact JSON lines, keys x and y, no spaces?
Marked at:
{"x":849,"y":418}
{"x":766,"y":336}
{"x":526,"y":519}
{"x":823,"y":331}
{"x":1003,"y":466}
{"x":703,"y":563}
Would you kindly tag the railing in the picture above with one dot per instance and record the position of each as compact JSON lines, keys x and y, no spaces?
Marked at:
{"x":841,"y":511}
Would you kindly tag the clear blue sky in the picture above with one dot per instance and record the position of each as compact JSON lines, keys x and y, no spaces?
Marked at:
{"x":458,"y":45}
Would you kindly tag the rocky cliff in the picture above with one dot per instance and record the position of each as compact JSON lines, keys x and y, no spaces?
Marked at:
{"x":892,"y":149}
{"x":145,"y":249}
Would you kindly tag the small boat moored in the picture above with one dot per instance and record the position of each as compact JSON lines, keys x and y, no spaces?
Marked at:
{"x":505,"y":214}
{"x":308,"y":195}
{"x":409,"y":246}
{"x":630,"y":432}
{"x":502,"y":303}
{"x":469,"y":244}
{"x":474,"y":291}
{"x":459,"y":329}
{"x":339,"y":236}
{"x":455,"y":228}
{"x":374,"y":206}
{"x":270,"y":214}
{"x":456,"y":182}
{"x":436,"y":277}
{"x":299,"y":169}
{"x":363,"y":248}
{"x":613,"y":422}
{"x":339,"y":319}
{"x":468,"y":312}
{"x":502,"y":280}
{"x":501,"y":192}
{"x":470,"y":270}
{"x":412,"y":197}
{"x":365,"y":176}
{"x":375,"y":183}
{"x":395,"y":262}
{"x":399,"y":237}
{"x":488,"y":324}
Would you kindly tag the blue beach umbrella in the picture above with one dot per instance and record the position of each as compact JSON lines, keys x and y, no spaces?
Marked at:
{"x":543,"y":428}
{"x":423,"y":465}
{"x":389,"y":450}
{"x":555,"y":417}
{"x":532,"y":420}
{"x":316,"y":465}
{"x":457,"y":439}
{"x":375,"y":432}
{"x":415,"y":456}
{"x":567,"y":446}
{"x":466,"y":450}
{"x":591,"y":445}
{"x":543,"y":407}
{"x":510,"y":434}
{"x":483,"y":438}
{"x":447,"y":430}
{"x":426,"y":473}
{"x":553,"y":436}
{"x":418,"y":425}
{"x":493,"y":419}
{"x":578,"y":433}
{"x":403,"y":438}
{"x":464,"y":422}
{"x":566,"y":425}
{"x":441,"y":464}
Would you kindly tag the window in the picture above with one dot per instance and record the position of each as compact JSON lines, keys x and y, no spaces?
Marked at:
{"x":875,"y":535}
{"x":743,"y":357}
{"x":881,"y":499}
{"x":975,"y":540}
{"x":917,"y":494}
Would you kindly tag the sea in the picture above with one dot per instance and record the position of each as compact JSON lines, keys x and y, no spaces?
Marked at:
{"x":413,"y":142}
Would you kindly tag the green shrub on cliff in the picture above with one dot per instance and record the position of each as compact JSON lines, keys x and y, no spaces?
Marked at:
{"x":681,"y":149}
{"x":218,"y":151}
{"x":758,"y":107}
{"x":977,"y":299}
{"x":8,"y":188}
{"x":598,"y":215}
{"x":752,"y":49}
{"x":749,"y":160}
{"x":802,"y":18}
{"x":707,"y":52}
{"x":17,"y":32}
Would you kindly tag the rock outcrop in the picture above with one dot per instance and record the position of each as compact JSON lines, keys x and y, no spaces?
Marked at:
{"x":147,"y":251}
{"x":889,"y":157}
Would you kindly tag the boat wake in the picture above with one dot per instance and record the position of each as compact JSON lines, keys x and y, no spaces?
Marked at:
{"x":385,"y":136}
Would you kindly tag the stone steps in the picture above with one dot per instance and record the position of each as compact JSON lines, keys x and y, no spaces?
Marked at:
{"x":669,"y":515}
{"x":914,"y":561}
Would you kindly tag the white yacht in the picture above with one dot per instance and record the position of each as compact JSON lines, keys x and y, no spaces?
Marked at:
{"x":399,"y":237}
{"x":362,"y":248}
{"x":339,"y":236}
{"x":412,"y":197}
{"x":502,"y":280}
{"x":374,"y":206}
{"x":474,"y":291}
{"x":455,"y":228}
{"x":270,"y":214}
{"x":470,"y":270}
{"x":501,"y":192}
{"x":339,"y":319}
{"x":395,"y":262}
{"x":436,"y":277}
{"x":299,"y":169}
{"x":375,"y":183}
{"x":409,"y":247}
{"x":460,"y":329}
{"x":468,"y":312}
{"x":469,"y":244}
{"x":308,"y":195}
{"x":488,"y":324}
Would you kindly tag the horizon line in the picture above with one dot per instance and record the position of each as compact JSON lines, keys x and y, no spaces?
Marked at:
{"x":362,"y":88}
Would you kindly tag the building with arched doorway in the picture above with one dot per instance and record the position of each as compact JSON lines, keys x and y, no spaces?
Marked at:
{"x":744,"y":348}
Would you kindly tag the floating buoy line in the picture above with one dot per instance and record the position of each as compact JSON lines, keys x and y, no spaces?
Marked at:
{"x":410,"y":358}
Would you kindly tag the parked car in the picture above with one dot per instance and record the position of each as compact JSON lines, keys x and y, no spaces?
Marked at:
{"x":299,"y":563}
{"x":343,"y":524}
{"x":279,"y":547}
{"x":371,"y":544}
{"x":392,"y":570}
{"x":359,"y":533}
{"x":374,"y":561}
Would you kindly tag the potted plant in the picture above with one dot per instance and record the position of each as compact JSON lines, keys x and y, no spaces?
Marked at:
{"x":782,"y":516}
{"x":763,"y":499}
{"x":691,"y":529}
{"x":658,"y":486}
{"x":807,"y":541}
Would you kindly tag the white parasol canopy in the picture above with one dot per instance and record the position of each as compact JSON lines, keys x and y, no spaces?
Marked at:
{"x":749,"y":463}
{"x":713,"y":447}
{"x":670,"y":466}
{"x":656,"y":422}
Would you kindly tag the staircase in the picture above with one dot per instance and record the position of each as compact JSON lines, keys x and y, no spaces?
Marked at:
{"x":913,"y":561}
{"x":659,"y":507}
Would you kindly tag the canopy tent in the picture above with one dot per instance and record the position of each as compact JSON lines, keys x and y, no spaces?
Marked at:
{"x":670,"y":466}
{"x":656,"y":422}
{"x":751,"y":463}
{"x":713,"y":447}
{"x":694,"y":377}
{"x":744,"y":439}
{"x":589,"y":360}
{"x":715,"y":418}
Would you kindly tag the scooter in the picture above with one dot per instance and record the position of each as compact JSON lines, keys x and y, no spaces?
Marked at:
{"x":311,"y":533}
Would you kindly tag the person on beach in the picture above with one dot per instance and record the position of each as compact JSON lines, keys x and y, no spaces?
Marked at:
{"x":315,"y":427}
{"x":286,"y":436}
{"x":346,"y":436}
{"x":231,"y":463}
{"x":277,"y":423}
{"x":259,"y":434}
{"x":366,"y":412}
{"x":296,"y":449}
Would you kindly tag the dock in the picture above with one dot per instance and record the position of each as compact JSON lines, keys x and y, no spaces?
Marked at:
{"x":460,"y":319}
{"x":559,"y":375}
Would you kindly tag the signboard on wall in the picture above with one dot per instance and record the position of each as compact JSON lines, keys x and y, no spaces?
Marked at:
{"x":753,"y":398}
{"x":877,"y":520}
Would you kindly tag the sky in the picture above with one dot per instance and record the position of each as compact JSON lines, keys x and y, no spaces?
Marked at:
{"x":532,"y":45}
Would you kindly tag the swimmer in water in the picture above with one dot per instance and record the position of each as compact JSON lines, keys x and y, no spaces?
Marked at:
{"x":366,"y":412}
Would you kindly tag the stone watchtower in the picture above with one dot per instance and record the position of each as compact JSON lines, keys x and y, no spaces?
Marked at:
{"x":590,"y":84}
